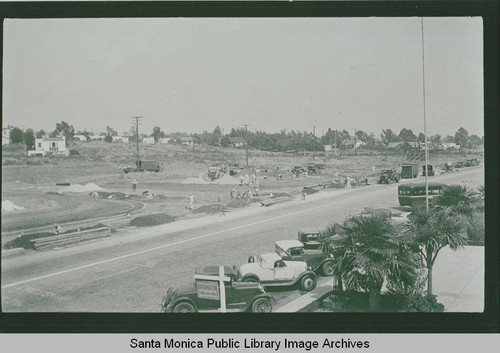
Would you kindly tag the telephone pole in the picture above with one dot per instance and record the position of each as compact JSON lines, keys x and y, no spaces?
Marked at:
{"x":355,"y":141}
{"x":314,"y":134}
{"x":246,"y":143}
{"x":137,"y":120}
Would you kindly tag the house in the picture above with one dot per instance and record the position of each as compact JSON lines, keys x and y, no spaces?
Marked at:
{"x":186,"y":141}
{"x":449,"y":145}
{"x":121,"y":139}
{"x":148,"y":140}
{"x":81,"y":138}
{"x":50,"y":145}
{"x":352,"y":143}
{"x":165,"y":140}
{"x":394,"y":145}
{"x":237,"y":141}
{"x":327,"y":148}
{"x":6,"y":135}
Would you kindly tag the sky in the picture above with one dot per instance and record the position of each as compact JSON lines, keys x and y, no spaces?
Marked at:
{"x":192,"y":74}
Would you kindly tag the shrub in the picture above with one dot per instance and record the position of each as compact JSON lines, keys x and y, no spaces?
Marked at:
{"x":74,"y":153}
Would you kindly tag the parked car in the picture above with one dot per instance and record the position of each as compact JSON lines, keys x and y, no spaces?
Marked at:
{"x":319,"y":260}
{"x":203,"y":295}
{"x":270,"y":270}
{"x":311,"y":238}
{"x":460,"y":164}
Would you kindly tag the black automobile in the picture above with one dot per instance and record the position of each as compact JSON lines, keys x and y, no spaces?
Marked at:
{"x":204,"y":296}
{"x":319,"y":259}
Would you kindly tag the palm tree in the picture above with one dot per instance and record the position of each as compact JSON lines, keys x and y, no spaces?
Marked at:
{"x":459,"y":199}
{"x":367,"y":253}
{"x":432,"y":231}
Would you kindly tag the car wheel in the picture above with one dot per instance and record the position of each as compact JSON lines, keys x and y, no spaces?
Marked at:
{"x":262,"y":305}
{"x":184,"y":307}
{"x":308,"y":283}
{"x":250,"y":279}
{"x":327,"y":268}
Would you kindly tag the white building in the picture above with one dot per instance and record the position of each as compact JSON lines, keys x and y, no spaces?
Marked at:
{"x":120,"y":139}
{"x":148,"y":140}
{"x":450,"y":145}
{"x":6,"y":135}
{"x":50,"y":145}
{"x":81,"y":138}
{"x":165,"y":140}
{"x":186,"y":141}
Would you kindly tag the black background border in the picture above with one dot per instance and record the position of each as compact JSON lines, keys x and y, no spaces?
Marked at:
{"x":488,"y":321}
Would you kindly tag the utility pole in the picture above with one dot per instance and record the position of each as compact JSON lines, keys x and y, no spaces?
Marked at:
{"x":355,"y":141}
{"x":425,"y":125}
{"x":246,"y":143}
{"x":314,"y":134}
{"x":137,"y":119}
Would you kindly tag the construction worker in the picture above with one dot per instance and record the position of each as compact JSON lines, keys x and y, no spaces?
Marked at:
{"x":134,"y":184}
{"x":58,"y":228}
{"x":191,"y":201}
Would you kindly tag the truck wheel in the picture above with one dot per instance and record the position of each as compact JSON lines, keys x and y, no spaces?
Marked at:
{"x":327,"y":268}
{"x":308,"y":283}
{"x":184,"y":307}
{"x":250,"y":279}
{"x":262,"y":305}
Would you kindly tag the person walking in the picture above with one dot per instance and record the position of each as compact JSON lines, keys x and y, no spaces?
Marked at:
{"x":191,"y":201}
{"x":58,"y":228}
{"x":134,"y":185}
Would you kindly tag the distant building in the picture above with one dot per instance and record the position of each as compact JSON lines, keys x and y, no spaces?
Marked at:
{"x":237,"y":141}
{"x":165,"y":140}
{"x":148,"y":140}
{"x":6,"y":135}
{"x":449,"y":145}
{"x":81,"y":138}
{"x":327,"y":148}
{"x":186,"y":140}
{"x":121,"y":139}
{"x":394,"y":145}
{"x":49,"y":145}
{"x":353,"y":143}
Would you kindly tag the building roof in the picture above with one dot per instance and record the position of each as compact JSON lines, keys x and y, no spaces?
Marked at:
{"x":52,"y":139}
{"x":185,"y":138}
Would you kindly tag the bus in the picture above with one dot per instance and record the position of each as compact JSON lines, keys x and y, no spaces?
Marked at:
{"x":414,"y":193}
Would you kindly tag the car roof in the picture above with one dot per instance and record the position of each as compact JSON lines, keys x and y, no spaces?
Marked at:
{"x":287,"y":244}
{"x":309,"y":230}
{"x":270,"y":257}
{"x":213,"y":270}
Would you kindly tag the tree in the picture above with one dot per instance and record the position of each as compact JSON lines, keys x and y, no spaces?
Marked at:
{"x":40,"y":134}
{"x":436,"y":139}
{"x":432,"y":231}
{"x":421,"y":137}
{"x":475,"y":141}
{"x":16,"y":136}
{"x":216,"y":137}
{"x":29,"y":139}
{"x":460,"y":200}
{"x":407,"y":135}
{"x":462,"y":138}
{"x":225,"y":141}
{"x":368,"y":252}
{"x":157,"y":133}
{"x":110,"y":131}
{"x":449,"y":139}
{"x":108,"y":138}
{"x":361,"y":135}
{"x":65,"y":129}
{"x":388,"y":136}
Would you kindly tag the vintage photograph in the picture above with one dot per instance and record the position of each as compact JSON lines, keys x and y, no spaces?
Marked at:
{"x":284,"y":165}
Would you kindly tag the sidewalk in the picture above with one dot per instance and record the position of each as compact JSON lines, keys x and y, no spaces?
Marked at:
{"x":458,"y":279}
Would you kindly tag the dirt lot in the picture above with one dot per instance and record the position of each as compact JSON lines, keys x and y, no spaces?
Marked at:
{"x":31,"y":182}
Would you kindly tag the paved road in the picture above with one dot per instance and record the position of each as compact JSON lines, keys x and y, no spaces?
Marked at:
{"x":131,"y":271}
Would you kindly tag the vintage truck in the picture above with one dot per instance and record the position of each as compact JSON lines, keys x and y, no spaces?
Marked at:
{"x":409,"y":170}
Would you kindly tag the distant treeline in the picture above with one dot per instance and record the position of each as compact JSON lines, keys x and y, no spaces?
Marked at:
{"x":283,"y":141}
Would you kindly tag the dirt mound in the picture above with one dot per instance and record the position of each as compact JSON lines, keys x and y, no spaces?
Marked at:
{"x":82,"y":188}
{"x":226,"y":180}
{"x":237,"y":203}
{"x":193,"y":180}
{"x":9,"y":206}
{"x":152,"y":220}
{"x":211,"y":209}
